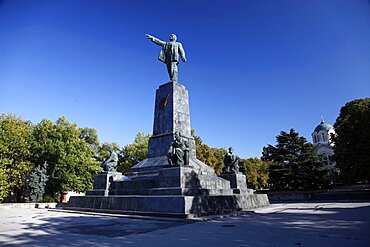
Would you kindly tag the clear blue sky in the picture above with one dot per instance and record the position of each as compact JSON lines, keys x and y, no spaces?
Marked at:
{"x":254,"y":67}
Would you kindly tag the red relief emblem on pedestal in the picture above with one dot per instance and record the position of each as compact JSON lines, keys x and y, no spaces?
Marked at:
{"x":163,"y":102}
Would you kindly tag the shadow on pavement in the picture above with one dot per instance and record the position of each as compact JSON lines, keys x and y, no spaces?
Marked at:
{"x":315,"y":224}
{"x":85,"y":229}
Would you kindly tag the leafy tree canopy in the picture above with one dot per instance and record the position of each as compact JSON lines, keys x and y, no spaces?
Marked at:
{"x":352,"y":140}
{"x":134,"y":153}
{"x":256,"y":171}
{"x":15,"y":155}
{"x":295,"y":163}
{"x":70,"y":152}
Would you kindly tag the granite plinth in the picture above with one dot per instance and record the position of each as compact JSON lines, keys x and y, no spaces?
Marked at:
{"x":173,"y":206}
{"x":195,"y":179}
{"x":237,"y":182}
{"x":171,"y":114}
{"x":103,"y":181}
{"x":153,"y":187}
{"x":176,"y":191}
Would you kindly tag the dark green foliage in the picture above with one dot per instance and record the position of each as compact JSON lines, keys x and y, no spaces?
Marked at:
{"x":90,"y":136}
{"x":38,"y":179}
{"x":70,"y":152}
{"x":295,"y":163}
{"x":133,"y":153}
{"x":74,"y":156}
{"x":352,"y":141}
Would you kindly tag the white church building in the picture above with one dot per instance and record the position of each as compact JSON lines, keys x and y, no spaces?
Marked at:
{"x":321,"y":138}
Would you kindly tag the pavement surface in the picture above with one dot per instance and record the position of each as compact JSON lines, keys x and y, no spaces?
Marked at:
{"x":294,"y":224}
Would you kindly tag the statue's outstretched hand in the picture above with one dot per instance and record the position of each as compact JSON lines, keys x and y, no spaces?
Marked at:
{"x":149,"y":36}
{"x":184,"y":60}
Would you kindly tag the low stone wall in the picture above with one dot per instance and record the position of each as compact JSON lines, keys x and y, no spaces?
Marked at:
{"x":294,"y":196}
{"x":286,"y":196}
{"x":27,"y":205}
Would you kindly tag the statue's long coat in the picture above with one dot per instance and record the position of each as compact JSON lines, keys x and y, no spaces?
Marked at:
{"x":170,"y":51}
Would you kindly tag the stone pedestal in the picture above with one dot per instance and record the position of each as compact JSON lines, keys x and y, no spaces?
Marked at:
{"x":170,"y":191}
{"x":152,"y":187}
{"x":183,"y":192}
{"x":171,"y":114}
{"x":237,"y":182}
{"x":102,"y":183}
{"x":168,"y":205}
{"x":173,"y":180}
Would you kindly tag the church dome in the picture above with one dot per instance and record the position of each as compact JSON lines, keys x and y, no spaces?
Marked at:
{"x":323,"y":126}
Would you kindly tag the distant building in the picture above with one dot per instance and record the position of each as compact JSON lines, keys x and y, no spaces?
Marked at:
{"x":321,"y":138}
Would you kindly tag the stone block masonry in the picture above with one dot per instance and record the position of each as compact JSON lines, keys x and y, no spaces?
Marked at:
{"x":153,"y":187}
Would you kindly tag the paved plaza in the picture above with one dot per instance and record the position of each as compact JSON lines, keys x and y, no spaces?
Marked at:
{"x":296,"y":224}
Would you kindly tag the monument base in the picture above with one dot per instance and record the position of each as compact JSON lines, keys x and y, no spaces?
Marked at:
{"x":152,"y":187}
{"x":155,"y":188}
{"x":168,"y":205}
{"x":237,"y":182}
{"x":103,"y":181}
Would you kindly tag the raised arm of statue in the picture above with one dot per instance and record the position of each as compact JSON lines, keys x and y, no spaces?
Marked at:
{"x":155,"y":40}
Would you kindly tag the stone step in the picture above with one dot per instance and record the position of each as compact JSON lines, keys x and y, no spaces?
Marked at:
{"x":168,"y":191}
{"x":168,"y":205}
{"x":190,"y":191}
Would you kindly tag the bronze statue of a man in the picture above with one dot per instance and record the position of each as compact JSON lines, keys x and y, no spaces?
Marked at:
{"x":178,"y":153}
{"x":110,"y":164}
{"x":231,"y":162}
{"x":170,"y":54}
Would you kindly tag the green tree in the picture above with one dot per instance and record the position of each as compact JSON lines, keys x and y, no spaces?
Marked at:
{"x":91,"y":137}
{"x":256,"y":171}
{"x":214,"y":157}
{"x":70,"y":152}
{"x":295,"y":163}
{"x":15,"y":156}
{"x":352,"y":141}
{"x":133,"y":153}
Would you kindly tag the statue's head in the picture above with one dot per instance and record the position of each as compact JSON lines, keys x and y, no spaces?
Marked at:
{"x":231,"y":150}
{"x":177,"y":135}
{"x":173,"y":37}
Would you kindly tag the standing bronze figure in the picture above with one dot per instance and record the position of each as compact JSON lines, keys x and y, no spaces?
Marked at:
{"x":170,"y":54}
